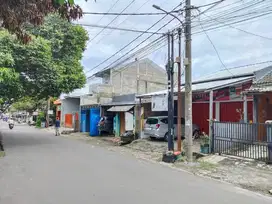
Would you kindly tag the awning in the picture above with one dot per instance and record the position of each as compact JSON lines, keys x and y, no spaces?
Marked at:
{"x":120,"y":108}
{"x":57,"y":102}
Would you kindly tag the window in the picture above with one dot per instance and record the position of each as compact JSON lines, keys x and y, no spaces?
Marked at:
{"x":152,"y":121}
{"x":164,"y":120}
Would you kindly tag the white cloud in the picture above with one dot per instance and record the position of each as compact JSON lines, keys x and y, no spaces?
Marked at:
{"x":235,"y":47}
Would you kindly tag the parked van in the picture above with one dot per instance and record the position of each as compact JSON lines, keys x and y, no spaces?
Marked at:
{"x":157,"y":127}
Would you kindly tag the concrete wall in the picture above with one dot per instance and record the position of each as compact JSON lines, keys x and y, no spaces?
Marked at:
{"x":151,"y":78}
{"x":69,"y":106}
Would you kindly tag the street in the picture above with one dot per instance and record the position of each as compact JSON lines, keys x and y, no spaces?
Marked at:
{"x":40,"y":168}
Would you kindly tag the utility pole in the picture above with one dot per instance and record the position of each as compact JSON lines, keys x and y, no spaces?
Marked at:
{"x":169,"y":68}
{"x":47,"y":112}
{"x":188,"y":80}
{"x":179,"y":92}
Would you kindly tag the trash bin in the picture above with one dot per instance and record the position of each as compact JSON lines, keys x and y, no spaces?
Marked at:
{"x":42,"y":124}
{"x":269,"y":139}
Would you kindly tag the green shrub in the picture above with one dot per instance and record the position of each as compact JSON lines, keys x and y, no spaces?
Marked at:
{"x":40,"y":119}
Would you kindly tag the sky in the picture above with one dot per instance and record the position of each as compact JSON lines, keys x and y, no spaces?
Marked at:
{"x":233,"y":45}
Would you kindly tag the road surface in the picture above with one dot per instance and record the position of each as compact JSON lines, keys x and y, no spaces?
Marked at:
{"x":40,"y":168}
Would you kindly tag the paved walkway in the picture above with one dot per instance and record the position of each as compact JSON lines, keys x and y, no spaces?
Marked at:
{"x":43,"y":169}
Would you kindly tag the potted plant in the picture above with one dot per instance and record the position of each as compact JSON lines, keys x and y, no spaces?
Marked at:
{"x":204,"y":144}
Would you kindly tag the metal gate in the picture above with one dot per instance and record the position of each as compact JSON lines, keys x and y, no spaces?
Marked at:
{"x":243,"y":140}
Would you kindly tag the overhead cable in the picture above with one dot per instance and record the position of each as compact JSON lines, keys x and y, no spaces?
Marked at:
{"x":112,"y":21}
{"x":116,"y":28}
{"x":132,"y":41}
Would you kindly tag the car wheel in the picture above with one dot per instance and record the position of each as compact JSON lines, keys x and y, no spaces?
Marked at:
{"x":166,"y":136}
{"x":152,"y":138}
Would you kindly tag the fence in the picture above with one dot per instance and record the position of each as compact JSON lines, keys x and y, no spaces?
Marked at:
{"x":243,"y":140}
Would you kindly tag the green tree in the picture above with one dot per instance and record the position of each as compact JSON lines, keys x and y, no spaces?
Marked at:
{"x":10,"y":85}
{"x":15,"y":13}
{"x":68,"y":42}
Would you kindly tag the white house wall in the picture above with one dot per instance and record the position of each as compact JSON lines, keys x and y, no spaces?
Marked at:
{"x":69,"y":106}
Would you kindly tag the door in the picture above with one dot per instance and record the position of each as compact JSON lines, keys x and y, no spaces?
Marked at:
{"x":83,"y":121}
{"x":94,"y":120}
{"x":116,"y":125}
{"x":129,"y":121}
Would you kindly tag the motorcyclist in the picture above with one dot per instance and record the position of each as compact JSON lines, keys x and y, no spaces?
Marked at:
{"x":11,"y":121}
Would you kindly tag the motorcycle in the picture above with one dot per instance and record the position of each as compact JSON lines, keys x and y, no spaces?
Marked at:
{"x":11,"y":126}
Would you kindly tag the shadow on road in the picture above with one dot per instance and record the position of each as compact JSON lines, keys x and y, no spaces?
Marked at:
{"x":16,"y":138}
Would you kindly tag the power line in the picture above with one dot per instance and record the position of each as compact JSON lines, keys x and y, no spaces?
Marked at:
{"x":128,"y":14}
{"x":132,"y":41}
{"x":112,"y":20}
{"x":116,"y":28}
{"x":244,"y":31}
{"x":216,"y":51}
{"x":236,"y":22}
{"x":136,"y":46}
{"x":107,"y":11}
{"x":124,"y":20}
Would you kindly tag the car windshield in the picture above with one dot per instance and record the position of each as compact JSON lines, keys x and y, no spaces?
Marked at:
{"x":151,"y":121}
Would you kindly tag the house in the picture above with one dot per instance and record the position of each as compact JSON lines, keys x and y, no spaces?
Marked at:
{"x":58,"y":108}
{"x":70,"y":111}
{"x":137,"y":77}
{"x":228,"y":102}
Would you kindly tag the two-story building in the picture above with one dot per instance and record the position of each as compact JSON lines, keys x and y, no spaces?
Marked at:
{"x":137,"y":77}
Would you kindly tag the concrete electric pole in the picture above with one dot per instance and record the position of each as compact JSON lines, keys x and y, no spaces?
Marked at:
{"x":188,"y":81}
{"x":179,"y":145}
{"x":169,"y":68}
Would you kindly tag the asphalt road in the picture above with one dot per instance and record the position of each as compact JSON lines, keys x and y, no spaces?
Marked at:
{"x":40,"y":168}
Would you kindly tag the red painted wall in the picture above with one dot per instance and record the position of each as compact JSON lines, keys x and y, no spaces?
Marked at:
{"x":201,"y":115}
{"x":228,"y":111}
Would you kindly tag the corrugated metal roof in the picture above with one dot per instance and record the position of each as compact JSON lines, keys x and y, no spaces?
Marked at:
{"x":203,"y":86}
{"x":266,"y":79}
{"x":259,"y":89}
{"x":234,"y":72}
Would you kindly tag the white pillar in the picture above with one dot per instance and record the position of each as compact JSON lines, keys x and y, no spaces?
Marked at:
{"x":211,"y":118}
{"x":217,"y":111}
{"x":245,"y":108}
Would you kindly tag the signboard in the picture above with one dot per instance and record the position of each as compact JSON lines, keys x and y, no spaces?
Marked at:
{"x":35,"y":113}
{"x":50,"y":112}
{"x":58,"y":108}
{"x":224,"y":94}
{"x":159,"y":103}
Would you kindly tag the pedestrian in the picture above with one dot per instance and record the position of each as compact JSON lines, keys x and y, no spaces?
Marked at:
{"x":57,"y":126}
{"x":1,"y":143}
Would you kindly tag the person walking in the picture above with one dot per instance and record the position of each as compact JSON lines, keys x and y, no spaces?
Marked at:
{"x":1,"y":143}
{"x":57,"y":126}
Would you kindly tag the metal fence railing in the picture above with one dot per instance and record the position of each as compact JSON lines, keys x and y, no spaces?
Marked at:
{"x":243,"y":140}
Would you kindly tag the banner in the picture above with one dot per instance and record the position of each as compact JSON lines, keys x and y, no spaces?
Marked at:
{"x":159,"y":103}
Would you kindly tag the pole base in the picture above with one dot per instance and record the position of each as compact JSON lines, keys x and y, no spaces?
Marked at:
{"x":169,"y":157}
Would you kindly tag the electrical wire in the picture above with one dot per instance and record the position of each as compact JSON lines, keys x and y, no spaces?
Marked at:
{"x":244,"y":31}
{"x":123,"y":21}
{"x":134,"y":41}
{"x":216,"y":51}
{"x":116,"y":28}
{"x":107,"y":11}
{"x":112,"y":20}
{"x":128,"y":14}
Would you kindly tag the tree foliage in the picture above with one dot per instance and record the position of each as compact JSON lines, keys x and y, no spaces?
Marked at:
{"x":48,"y":65}
{"x":15,"y":13}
